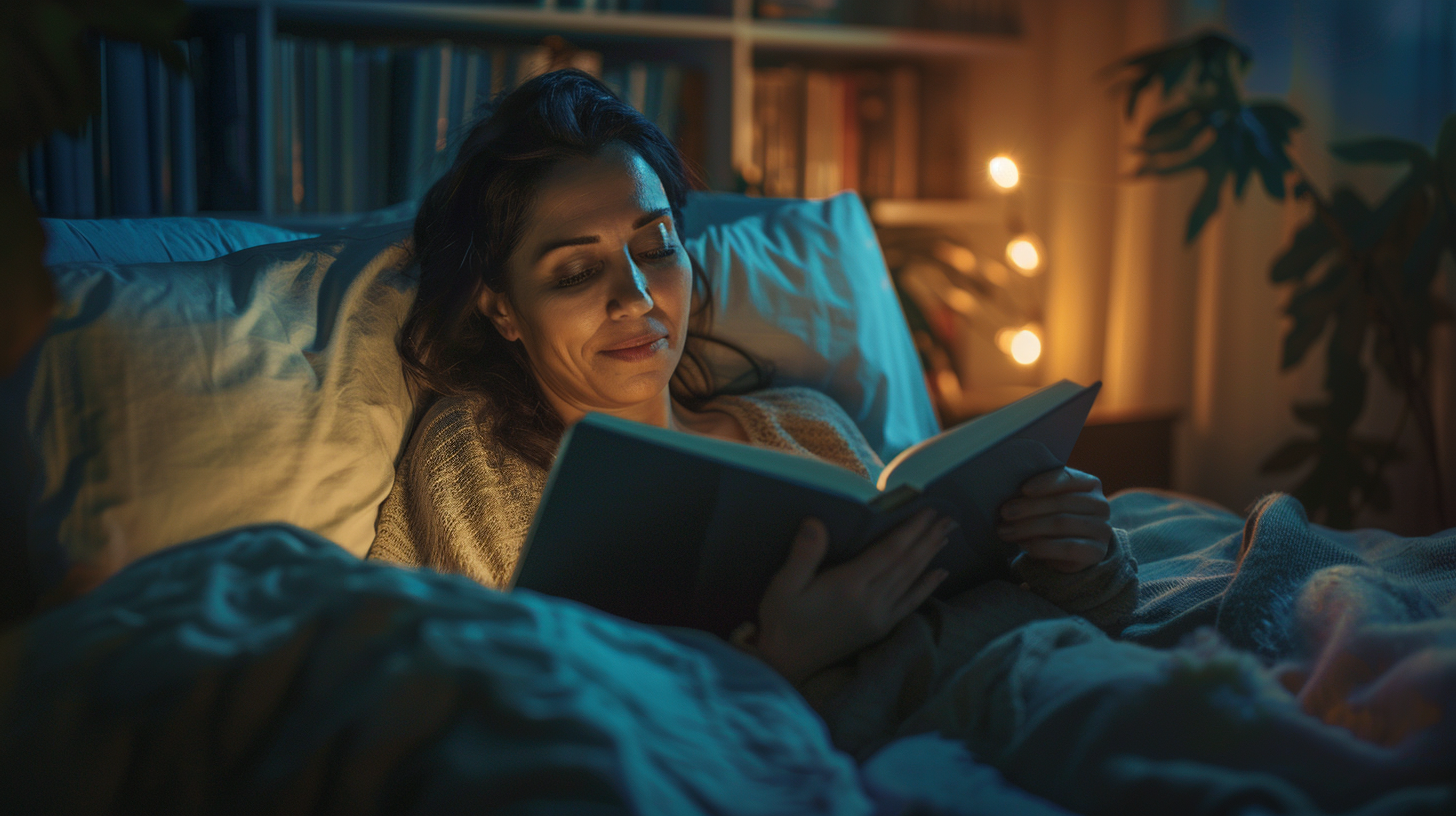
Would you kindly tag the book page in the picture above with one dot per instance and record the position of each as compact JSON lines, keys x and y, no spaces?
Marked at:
{"x":1053,"y":416}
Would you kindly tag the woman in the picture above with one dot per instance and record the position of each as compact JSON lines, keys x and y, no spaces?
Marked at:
{"x":553,"y":282}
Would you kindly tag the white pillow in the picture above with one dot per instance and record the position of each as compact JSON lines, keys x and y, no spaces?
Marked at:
{"x":175,"y":400}
{"x":803,"y":284}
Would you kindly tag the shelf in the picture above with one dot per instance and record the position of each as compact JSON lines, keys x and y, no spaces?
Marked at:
{"x":764,"y":35}
{"x":893,"y":212}
{"x":875,"y":41}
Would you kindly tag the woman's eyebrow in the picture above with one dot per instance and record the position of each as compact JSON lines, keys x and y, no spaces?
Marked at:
{"x":642,"y":221}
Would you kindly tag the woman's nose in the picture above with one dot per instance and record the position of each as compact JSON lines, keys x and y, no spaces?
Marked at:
{"x":630,"y":295}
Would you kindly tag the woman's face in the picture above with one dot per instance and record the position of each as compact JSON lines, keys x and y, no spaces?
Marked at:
{"x":599,"y":289}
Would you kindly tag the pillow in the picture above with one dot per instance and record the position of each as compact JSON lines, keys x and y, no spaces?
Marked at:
{"x":145,"y":240}
{"x":174,"y":400}
{"x":804,"y":285}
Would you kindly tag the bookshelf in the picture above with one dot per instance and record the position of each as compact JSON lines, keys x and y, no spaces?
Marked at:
{"x":722,"y":46}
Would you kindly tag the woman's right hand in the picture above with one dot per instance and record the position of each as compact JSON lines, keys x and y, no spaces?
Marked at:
{"x":810,"y":620}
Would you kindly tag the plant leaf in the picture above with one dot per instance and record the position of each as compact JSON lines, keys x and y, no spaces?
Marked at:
{"x":1311,"y":243}
{"x":1289,"y":456}
{"x":1208,"y":201}
{"x":1312,"y":307}
{"x":1345,"y":378}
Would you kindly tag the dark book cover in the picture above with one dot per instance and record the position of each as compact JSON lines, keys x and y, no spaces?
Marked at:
{"x":129,"y":120}
{"x":159,"y":133}
{"x":379,"y":118}
{"x":226,"y":89}
{"x":308,"y":137}
{"x":183,"y":123}
{"x":359,"y":131}
{"x":691,"y":533}
{"x":404,"y":68}
{"x":60,"y":176}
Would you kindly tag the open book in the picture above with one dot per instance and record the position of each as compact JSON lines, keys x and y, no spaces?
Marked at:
{"x":669,"y":528}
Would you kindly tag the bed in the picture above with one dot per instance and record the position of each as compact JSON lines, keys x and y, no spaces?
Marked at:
{"x":208,"y":430}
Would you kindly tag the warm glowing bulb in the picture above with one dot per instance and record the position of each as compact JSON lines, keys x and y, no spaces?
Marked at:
{"x":1025,"y":347}
{"x":1021,"y":251}
{"x":1004,"y":172}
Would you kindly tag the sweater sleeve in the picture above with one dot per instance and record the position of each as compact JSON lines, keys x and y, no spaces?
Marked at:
{"x":458,"y":504}
{"x":1105,"y":593}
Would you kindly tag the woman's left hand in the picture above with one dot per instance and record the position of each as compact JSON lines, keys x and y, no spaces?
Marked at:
{"x":1060,"y":519}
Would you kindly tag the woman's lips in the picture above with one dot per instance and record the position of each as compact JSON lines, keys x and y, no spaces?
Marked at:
{"x":639,"y":352}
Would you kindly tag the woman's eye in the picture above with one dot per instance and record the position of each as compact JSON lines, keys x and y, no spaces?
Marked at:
{"x":661,"y":253}
{"x":579,"y":277}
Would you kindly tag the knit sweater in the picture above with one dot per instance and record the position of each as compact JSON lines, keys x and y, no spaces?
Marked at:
{"x":462,"y":502}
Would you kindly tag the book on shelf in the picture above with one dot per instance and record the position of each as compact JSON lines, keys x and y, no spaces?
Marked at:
{"x":817,"y":132}
{"x":355,"y":126}
{"x":693,"y":530}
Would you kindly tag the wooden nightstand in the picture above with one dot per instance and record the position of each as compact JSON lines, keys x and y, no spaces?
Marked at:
{"x":1124,"y":449}
{"x":1127,"y":449}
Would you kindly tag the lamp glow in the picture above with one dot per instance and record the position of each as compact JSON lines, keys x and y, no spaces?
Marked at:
{"x":1021,"y":251}
{"x":1004,"y":172}
{"x":1025,"y":347}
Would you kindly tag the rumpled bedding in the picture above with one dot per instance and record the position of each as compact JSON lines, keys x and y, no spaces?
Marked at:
{"x":1272,"y":666}
{"x":267,"y":670}
{"x":1300,"y":670}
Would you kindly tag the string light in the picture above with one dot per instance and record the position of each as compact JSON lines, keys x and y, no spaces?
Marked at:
{"x":1022,"y":345}
{"x":1004,"y":172}
{"x":1024,"y":254}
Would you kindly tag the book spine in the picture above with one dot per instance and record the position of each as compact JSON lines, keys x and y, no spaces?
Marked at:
{"x":669,"y":109}
{"x":402,"y":71}
{"x":307,"y":124}
{"x":326,"y":117}
{"x":84,"y":151}
{"x":159,"y":133}
{"x":462,"y":84}
{"x":441,"y":152}
{"x":126,"y":87}
{"x":381,"y":61}
{"x":652,"y":93}
{"x":360,"y":130}
{"x":343,"y":104}
{"x":101,"y":140}
{"x":637,"y":86}
{"x":905,"y":131}
{"x":59,"y":176}
{"x":819,"y":122}
{"x":184,"y":136}
{"x":876,"y":154}
{"x":425,"y":105}
{"x":849,"y":163}
{"x":283,"y":103}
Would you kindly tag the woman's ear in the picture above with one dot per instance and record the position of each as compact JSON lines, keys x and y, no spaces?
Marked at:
{"x":496,"y":307}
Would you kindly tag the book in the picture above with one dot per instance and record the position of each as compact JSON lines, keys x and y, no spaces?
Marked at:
{"x":130,"y":153}
{"x":183,"y":140}
{"x":675,"y":529}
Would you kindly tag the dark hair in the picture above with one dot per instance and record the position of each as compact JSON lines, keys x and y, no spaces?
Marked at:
{"x":473,"y":218}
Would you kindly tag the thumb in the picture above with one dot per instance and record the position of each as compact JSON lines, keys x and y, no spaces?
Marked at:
{"x":805,"y":554}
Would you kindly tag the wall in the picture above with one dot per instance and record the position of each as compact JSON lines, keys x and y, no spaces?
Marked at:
{"x":1199,"y":329}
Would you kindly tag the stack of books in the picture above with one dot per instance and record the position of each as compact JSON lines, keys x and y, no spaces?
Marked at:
{"x":818,"y":132}
{"x":355,"y":126}
{"x":358,"y":127}
{"x":141,"y":154}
